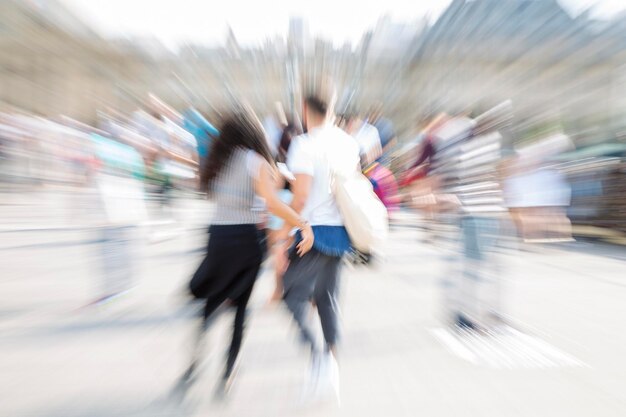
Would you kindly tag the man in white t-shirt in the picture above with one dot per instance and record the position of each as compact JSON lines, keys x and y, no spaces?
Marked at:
{"x":312,"y":158}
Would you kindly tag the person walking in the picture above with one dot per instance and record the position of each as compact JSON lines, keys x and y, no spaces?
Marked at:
{"x":240,"y":170}
{"x":465,"y":162}
{"x":312,"y":158}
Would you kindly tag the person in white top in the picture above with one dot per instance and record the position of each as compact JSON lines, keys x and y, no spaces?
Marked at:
{"x":312,"y":158}
{"x":368,"y":139}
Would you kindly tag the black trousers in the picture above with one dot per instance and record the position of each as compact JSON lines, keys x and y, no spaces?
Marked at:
{"x":228,"y":272}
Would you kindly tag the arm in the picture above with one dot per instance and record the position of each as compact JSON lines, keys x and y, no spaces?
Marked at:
{"x":300,"y":188}
{"x":264,"y":187}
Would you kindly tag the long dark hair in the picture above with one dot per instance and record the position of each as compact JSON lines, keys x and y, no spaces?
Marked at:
{"x":240,"y":129}
{"x":289,"y":132}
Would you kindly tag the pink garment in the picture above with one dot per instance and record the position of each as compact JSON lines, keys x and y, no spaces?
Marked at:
{"x":385,"y":186}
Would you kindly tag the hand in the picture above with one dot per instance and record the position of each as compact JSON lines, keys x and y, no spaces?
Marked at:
{"x":306,"y":243}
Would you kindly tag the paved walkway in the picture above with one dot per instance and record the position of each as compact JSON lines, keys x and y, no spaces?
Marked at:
{"x":564,"y":358}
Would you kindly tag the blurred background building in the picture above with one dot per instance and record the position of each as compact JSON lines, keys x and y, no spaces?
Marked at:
{"x":557,"y":69}
{"x":563,"y":74}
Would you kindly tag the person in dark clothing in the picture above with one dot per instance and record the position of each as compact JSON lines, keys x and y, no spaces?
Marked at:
{"x":240,"y":168}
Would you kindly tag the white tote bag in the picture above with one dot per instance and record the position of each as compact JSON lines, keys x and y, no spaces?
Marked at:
{"x":364,"y":215}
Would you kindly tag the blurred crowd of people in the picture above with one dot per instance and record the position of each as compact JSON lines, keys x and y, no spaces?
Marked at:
{"x":157,"y":144}
{"x":121,"y":172}
{"x":478,"y":195}
{"x":273,"y":187}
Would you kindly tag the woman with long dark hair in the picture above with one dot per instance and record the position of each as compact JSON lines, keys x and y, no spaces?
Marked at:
{"x":240,"y":170}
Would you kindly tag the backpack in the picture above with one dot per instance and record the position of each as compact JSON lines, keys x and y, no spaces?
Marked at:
{"x":364,"y":215}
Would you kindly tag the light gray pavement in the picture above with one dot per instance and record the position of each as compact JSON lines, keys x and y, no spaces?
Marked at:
{"x":122,"y":359}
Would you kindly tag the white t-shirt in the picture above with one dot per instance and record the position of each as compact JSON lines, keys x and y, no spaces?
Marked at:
{"x":369,"y":143}
{"x":318,"y":153}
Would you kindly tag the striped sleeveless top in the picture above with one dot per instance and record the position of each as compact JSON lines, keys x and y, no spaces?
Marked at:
{"x":233,"y":190}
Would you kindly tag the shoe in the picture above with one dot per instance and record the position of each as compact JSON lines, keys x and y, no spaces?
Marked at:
{"x":328,"y":385}
{"x":310,"y":389}
{"x":226,"y":383}
{"x":333,"y":371}
{"x":221,"y":392}
{"x":190,"y":374}
{"x":464,"y":323}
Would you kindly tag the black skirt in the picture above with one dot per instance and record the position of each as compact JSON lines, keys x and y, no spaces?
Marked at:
{"x":233,"y":250}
